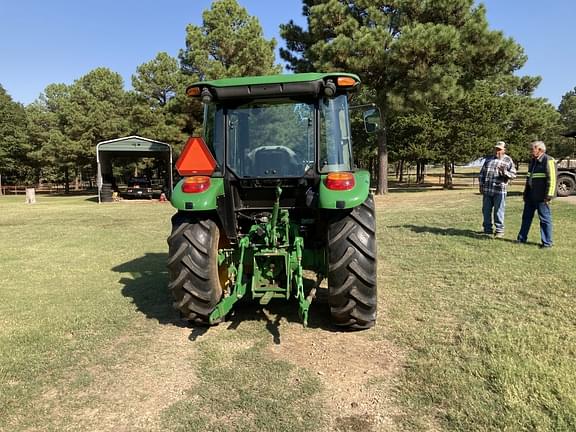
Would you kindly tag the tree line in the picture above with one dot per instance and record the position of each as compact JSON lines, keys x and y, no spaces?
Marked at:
{"x":444,"y":81}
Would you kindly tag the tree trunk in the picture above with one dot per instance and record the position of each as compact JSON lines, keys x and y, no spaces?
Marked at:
{"x":76,"y":182}
{"x":448,"y":179}
{"x":420,"y":172}
{"x":66,"y":180}
{"x":401,"y":171}
{"x":382,"y":187}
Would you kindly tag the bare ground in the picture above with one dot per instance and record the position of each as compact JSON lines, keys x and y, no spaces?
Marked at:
{"x":132,"y":380}
{"x":129,"y":387}
{"x":355,"y":370}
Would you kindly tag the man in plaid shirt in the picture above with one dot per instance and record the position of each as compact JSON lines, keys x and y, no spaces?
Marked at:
{"x":495,"y":175}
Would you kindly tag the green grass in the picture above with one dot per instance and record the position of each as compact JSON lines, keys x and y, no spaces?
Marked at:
{"x":489,"y":324}
{"x":483,"y":330}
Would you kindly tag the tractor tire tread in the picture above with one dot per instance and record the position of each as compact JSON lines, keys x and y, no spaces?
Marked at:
{"x":352,"y":267}
{"x":193,"y":267}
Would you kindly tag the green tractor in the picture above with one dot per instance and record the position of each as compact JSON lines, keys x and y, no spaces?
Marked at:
{"x":269,"y":195}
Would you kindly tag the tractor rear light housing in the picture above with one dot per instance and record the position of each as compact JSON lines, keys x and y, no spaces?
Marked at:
{"x":196,"y":184}
{"x":340,"y":181}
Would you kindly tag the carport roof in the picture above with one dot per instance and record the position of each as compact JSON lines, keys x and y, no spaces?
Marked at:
{"x":133,"y":144}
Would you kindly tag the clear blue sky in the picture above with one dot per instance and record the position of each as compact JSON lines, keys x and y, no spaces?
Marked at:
{"x":44,"y":42}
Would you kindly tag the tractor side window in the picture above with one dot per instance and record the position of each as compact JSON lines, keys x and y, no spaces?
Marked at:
{"x":271,"y":139}
{"x":213,"y":135}
{"x":335,"y":140}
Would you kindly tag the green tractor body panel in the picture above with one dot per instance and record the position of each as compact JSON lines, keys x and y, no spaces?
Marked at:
{"x":201,"y":201}
{"x":331,"y":199}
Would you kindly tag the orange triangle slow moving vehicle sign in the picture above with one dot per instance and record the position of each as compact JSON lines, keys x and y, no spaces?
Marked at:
{"x":196,"y":159}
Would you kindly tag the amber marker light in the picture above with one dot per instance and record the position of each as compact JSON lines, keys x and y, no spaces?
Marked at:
{"x":346,"y":82}
{"x":196,"y":184}
{"x":340,"y":181}
{"x":193,"y":91}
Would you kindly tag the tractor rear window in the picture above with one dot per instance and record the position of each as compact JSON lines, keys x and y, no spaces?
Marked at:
{"x":335,"y":140}
{"x":271,"y":139}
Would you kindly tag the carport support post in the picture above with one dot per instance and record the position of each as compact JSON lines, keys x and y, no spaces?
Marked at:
{"x":98,"y":177}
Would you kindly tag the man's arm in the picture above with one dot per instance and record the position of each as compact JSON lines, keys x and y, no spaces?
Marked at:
{"x":550,"y":178}
{"x":510,"y":171}
{"x":482,"y":176}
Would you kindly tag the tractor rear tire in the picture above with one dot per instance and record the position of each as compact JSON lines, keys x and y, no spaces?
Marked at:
{"x":352,"y":260}
{"x":195,"y":281}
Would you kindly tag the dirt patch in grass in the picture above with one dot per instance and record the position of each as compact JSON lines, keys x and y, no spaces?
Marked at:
{"x":357,"y":373}
{"x":128,"y":385}
{"x":569,"y":199}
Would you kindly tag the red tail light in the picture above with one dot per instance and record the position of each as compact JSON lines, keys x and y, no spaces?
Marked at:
{"x":340,"y":181}
{"x":196,"y":184}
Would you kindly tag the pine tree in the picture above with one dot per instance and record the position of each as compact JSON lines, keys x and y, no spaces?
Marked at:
{"x":411,"y":53}
{"x":14,"y":144}
{"x":229,"y":43}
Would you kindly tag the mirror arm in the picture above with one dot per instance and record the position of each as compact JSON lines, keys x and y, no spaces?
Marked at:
{"x":368,"y":105}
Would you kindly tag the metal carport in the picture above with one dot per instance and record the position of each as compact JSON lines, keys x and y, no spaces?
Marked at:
{"x":129,"y":147}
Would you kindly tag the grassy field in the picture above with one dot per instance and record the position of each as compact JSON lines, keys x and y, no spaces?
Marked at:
{"x":473,"y":333}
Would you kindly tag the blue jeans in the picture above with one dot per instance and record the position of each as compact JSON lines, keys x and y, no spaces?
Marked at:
{"x":493,"y":205}
{"x":545,"y":216}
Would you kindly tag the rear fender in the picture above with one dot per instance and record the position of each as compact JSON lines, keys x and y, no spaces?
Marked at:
{"x":330,"y":199}
{"x":198,"y":201}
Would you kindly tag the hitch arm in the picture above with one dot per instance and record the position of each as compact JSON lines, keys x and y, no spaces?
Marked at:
{"x":238,"y":291}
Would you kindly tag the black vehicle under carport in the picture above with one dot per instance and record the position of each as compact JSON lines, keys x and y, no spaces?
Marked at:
{"x":132,"y":147}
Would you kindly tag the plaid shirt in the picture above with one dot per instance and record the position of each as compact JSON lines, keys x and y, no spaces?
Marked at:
{"x":495,"y":175}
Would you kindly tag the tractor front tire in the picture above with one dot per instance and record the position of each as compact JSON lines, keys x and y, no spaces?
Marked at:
{"x":193,"y":267}
{"x":352,"y":261}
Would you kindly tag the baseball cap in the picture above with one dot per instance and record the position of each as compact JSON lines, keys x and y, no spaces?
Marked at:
{"x":500,"y":145}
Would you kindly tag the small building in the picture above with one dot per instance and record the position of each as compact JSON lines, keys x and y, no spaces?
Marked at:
{"x":132,"y":147}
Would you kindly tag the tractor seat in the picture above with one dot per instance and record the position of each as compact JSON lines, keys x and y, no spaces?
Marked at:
{"x":275,"y":161}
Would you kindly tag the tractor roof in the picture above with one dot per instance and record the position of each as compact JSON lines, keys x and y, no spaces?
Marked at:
{"x":273,"y":85}
{"x":273,"y":79}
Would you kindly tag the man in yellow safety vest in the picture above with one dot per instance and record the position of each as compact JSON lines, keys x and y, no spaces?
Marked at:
{"x":539,"y":190}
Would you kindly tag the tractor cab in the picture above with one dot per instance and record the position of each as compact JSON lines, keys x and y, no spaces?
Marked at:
{"x":287,"y":130}
{"x":280,"y":138}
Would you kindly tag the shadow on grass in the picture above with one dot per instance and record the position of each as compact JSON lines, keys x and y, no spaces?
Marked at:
{"x":409,"y":189}
{"x":456,"y":232}
{"x":442,"y":231}
{"x":275,"y":312}
{"x":148,"y":289}
{"x":426,"y":187}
